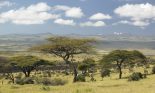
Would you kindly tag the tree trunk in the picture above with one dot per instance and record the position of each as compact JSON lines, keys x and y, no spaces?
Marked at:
{"x":27,"y":71}
{"x":120,"y":72}
{"x":27,"y":74}
{"x":75,"y":74}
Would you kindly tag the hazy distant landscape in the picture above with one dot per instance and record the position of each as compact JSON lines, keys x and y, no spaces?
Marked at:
{"x":105,"y":43}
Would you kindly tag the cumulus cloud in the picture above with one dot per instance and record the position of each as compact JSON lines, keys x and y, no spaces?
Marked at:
{"x":93,"y":24}
{"x":74,"y":12}
{"x":139,"y":14}
{"x":100,"y":16}
{"x":5,"y":3}
{"x":34,"y":14}
{"x":65,"y":22}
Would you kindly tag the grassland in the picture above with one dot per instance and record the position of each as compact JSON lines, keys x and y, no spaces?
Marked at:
{"x":107,"y":85}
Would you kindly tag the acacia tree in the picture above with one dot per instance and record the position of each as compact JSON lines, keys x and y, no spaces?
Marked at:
{"x":66,"y":48}
{"x":87,"y":65}
{"x":3,"y":64}
{"x":123,"y":57}
{"x":27,"y":63}
{"x":6,"y":67}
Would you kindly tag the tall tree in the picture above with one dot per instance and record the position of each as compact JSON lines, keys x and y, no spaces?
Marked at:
{"x":121,"y":58}
{"x":27,"y":63}
{"x":66,"y":48}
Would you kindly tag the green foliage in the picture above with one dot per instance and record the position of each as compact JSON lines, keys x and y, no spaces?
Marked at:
{"x":46,"y":74}
{"x":105,"y":72}
{"x":81,"y":78}
{"x":153,"y":70}
{"x":123,"y":56}
{"x":86,"y":65}
{"x":119,"y":58}
{"x":136,"y":76}
{"x":27,"y":63}
{"x":24,"y":61}
{"x":65,"y":47}
{"x":83,"y":67}
{"x":5,"y":66}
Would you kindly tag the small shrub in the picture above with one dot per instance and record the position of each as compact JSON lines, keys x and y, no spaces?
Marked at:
{"x":58,"y":81}
{"x":19,"y":76}
{"x":105,"y":72}
{"x":81,"y":78}
{"x":53,"y":82}
{"x":65,"y":72}
{"x":26,"y":80}
{"x":136,"y":76}
{"x":45,"y":74}
{"x":153,"y":70}
{"x":46,"y":81}
{"x":19,"y":81}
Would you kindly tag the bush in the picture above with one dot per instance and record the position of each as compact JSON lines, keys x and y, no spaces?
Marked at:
{"x":81,"y":78}
{"x":58,"y":81}
{"x":52,"y":82}
{"x":136,"y":76}
{"x":19,"y":81}
{"x":46,"y":81}
{"x":26,"y":80}
{"x":105,"y":72}
{"x":19,"y":76}
{"x":153,"y":70}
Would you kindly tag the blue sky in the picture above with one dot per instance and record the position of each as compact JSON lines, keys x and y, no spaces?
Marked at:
{"x":86,"y":17}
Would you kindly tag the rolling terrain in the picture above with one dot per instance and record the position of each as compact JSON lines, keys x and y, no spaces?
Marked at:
{"x":104,"y":44}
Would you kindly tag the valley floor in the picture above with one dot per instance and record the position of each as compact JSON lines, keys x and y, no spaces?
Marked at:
{"x":108,"y":85}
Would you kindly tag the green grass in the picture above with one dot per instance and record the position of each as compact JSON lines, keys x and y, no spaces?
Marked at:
{"x":108,"y":85}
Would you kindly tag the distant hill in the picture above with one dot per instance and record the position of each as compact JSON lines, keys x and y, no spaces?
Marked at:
{"x":20,"y":42}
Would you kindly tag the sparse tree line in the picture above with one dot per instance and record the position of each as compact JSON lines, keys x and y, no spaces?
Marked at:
{"x":67,"y":48}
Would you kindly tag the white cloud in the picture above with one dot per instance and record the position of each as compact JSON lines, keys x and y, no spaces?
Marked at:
{"x":61,"y":7}
{"x":5,"y":3}
{"x":140,"y":23}
{"x":139,"y":14}
{"x":65,"y":22}
{"x":39,"y":7}
{"x":134,"y":23}
{"x":34,"y":14}
{"x":100,"y":16}
{"x":75,"y":12}
{"x":93,"y":24}
{"x":122,"y":22}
